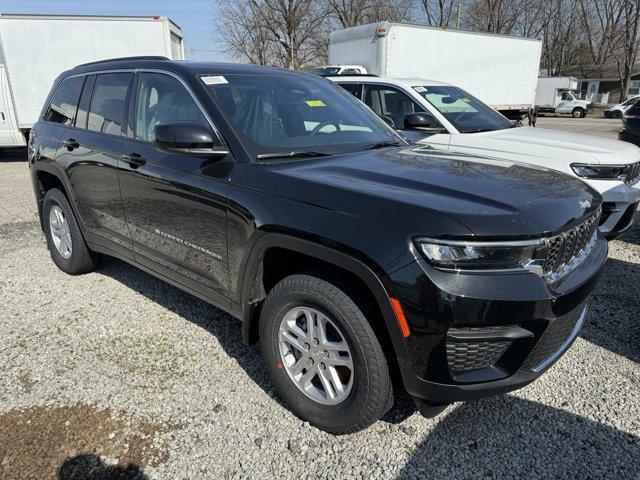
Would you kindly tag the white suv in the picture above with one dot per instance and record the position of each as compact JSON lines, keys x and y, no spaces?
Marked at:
{"x":447,"y":117}
{"x":616,"y":111}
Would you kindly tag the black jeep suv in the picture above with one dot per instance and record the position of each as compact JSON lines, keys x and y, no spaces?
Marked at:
{"x":352,"y":257}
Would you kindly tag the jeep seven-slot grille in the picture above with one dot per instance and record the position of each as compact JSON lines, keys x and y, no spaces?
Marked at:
{"x":564,"y":248}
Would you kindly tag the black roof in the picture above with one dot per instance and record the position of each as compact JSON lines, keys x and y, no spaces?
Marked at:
{"x":180,"y":66}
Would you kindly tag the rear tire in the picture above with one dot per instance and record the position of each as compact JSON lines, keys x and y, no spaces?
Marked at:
{"x":616,"y":114}
{"x":64,"y":239}
{"x":578,"y":112}
{"x":362,"y":391}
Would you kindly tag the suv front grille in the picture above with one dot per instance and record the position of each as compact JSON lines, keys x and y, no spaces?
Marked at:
{"x":566,"y":250}
{"x":632,"y":173}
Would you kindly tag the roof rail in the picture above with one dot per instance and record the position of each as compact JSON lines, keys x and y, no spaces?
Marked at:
{"x":143,"y":57}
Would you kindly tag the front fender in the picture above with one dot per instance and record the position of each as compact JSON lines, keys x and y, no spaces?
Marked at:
{"x":252,"y":292}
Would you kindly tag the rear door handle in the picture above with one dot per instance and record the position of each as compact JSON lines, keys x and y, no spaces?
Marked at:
{"x":71,"y":144}
{"x":135,"y":160}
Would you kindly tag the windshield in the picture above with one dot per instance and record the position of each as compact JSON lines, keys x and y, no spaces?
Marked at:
{"x":466,"y":113}
{"x":325,"y":71}
{"x":296,"y":112}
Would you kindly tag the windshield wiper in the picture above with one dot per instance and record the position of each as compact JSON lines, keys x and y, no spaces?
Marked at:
{"x":292,"y":154}
{"x":386,"y":143}
{"x":478,"y":130}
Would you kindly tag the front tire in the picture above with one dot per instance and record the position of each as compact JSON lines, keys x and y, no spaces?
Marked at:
{"x":578,"y":113}
{"x":616,"y":114}
{"x":323,"y":355}
{"x":64,"y":239}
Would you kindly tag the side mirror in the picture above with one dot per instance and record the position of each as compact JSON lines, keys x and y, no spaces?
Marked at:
{"x":187,"y":138}
{"x":420,"y":121}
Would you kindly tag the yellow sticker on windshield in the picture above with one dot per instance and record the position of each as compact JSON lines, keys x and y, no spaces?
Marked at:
{"x":315,"y":103}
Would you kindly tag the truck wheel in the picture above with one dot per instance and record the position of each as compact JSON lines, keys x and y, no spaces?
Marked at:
{"x":578,"y":112}
{"x":323,"y":356}
{"x":616,"y":114}
{"x":65,"y":242}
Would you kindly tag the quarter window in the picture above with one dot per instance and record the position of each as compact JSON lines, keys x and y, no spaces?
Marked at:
{"x":64,"y":103}
{"x":390,"y":103}
{"x":108,"y":104}
{"x":163,"y":99}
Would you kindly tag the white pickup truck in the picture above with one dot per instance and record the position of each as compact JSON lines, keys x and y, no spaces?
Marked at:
{"x":447,"y":117}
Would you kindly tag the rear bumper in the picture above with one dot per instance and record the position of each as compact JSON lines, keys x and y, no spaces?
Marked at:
{"x":466,"y":345}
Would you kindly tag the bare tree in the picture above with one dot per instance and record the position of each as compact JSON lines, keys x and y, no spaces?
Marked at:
{"x":627,"y":44}
{"x":494,"y":16}
{"x":244,"y":33}
{"x":612,"y":34}
{"x":285,"y":33}
{"x":441,"y":13}
{"x":560,"y":33}
{"x":349,"y":13}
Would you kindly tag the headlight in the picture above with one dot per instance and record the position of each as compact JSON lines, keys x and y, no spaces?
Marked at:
{"x":478,"y":256}
{"x":603,"y":172}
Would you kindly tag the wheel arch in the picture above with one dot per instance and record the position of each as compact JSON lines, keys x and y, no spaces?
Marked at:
{"x":253,"y":289}
{"x":47,"y":177}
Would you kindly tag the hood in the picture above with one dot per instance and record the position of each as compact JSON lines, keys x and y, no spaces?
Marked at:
{"x":548,"y":148}
{"x":491,"y":197}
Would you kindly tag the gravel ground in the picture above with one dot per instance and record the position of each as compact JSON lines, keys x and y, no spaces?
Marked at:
{"x":115,"y":374}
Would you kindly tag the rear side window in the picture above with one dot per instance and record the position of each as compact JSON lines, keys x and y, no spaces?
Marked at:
{"x":64,"y":102}
{"x":108,"y":103}
{"x":352,"y":88}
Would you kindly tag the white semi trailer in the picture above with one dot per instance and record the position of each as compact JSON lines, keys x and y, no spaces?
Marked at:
{"x":35,"y":49}
{"x":501,"y":70}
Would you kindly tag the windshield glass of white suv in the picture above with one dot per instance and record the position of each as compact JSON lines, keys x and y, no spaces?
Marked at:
{"x":286,"y":113}
{"x":465,"y":112}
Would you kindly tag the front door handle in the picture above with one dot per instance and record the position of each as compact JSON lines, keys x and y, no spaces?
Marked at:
{"x":71,"y":144}
{"x":135,"y":160}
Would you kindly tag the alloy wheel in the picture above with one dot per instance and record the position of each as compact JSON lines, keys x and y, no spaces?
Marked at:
{"x":316,"y":355}
{"x":60,"y":232}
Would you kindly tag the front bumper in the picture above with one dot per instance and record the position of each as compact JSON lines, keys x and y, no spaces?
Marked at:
{"x":626,"y":136}
{"x":620,"y":202}
{"x":479,"y":335}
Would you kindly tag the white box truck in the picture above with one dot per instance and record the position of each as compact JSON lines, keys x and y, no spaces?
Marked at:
{"x":35,"y":49}
{"x":500,"y":70}
{"x":560,"y":95}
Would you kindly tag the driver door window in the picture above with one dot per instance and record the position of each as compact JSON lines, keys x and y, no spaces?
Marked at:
{"x":163,"y":99}
{"x":388,"y":102}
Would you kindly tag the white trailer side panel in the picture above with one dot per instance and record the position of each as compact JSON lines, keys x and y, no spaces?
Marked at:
{"x":358,"y":46}
{"x":500,"y":70}
{"x":38,"y":48}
